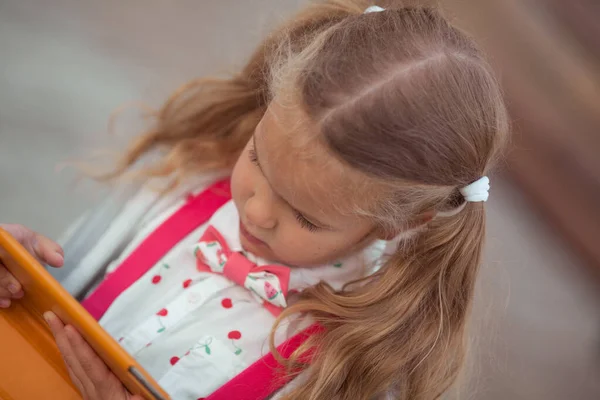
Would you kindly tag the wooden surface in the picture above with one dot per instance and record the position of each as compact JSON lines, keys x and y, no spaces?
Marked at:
{"x":547,"y":53}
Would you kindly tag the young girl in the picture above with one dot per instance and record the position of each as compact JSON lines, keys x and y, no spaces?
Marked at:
{"x":358,"y":140}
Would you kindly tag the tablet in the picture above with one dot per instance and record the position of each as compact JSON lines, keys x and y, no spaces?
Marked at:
{"x":25,"y":336}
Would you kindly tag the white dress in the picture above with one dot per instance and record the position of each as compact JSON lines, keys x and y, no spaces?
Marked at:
{"x":194,"y":330}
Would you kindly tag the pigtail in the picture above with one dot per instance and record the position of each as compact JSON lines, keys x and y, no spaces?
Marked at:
{"x":402,"y":331}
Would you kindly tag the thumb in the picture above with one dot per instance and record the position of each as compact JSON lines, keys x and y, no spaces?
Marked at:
{"x":40,"y":246}
{"x":48,"y":251}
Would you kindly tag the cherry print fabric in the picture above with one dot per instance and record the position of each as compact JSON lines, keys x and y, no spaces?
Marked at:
{"x":194,"y":330}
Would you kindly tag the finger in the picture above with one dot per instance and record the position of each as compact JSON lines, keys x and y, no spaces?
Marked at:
{"x":48,"y":251}
{"x":62,"y":341}
{"x":58,"y":331}
{"x":19,"y":232}
{"x":77,"y":382}
{"x":105,"y":384}
{"x":9,"y":284}
{"x":91,"y":364}
{"x":4,"y":293}
{"x":5,"y":302}
{"x":6,"y":297}
{"x":43,"y":248}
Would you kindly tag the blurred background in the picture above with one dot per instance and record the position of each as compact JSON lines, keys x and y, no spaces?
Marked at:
{"x":66,"y":65}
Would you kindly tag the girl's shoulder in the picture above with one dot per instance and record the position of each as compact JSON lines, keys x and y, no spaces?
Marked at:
{"x":113,"y":229}
{"x":155,"y":200}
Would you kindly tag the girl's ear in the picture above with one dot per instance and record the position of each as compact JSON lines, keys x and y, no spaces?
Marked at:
{"x":419,"y":222}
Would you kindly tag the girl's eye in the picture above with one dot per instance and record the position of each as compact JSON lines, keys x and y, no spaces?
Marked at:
{"x":306,"y":224}
{"x":253,"y":157}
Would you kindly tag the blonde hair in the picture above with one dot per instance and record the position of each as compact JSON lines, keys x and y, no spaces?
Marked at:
{"x":407,"y":99}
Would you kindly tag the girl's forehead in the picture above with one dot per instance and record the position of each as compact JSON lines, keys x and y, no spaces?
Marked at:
{"x":300,"y":167}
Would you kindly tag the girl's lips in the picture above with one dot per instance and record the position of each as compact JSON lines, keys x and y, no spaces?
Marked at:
{"x":249,"y":237}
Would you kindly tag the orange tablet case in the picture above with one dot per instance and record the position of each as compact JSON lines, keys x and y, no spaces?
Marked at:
{"x":31,"y":366}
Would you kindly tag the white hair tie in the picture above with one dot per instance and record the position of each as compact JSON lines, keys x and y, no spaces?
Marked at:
{"x":477,"y":191}
{"x":374,"y":9}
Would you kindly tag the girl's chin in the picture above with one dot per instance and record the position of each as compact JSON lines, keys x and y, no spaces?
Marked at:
{"x":267,"y":254}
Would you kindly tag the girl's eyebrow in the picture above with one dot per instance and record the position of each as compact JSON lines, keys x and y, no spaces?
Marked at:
{"x":309,"y":217}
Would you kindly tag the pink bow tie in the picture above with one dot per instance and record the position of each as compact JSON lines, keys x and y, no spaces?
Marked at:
{"x":269,"y":282}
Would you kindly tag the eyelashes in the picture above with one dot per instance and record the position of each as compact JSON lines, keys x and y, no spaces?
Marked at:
{"x":253,"y":157}
{"x":304,"y":223}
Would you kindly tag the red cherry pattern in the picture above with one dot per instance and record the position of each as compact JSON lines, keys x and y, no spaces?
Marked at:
{"x":234,"y":335}
{"x":226,"y":303}
{"x":187,"y":283}
{"x":163,"y":313}
{"x":157,"y":278}
{"x":174,"y":360}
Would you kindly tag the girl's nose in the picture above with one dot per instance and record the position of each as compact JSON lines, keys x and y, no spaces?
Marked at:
{"x":259,"y":211}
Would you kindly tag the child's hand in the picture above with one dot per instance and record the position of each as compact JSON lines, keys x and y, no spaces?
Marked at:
{"x":88,"y":372}
{"x":44,"y":249}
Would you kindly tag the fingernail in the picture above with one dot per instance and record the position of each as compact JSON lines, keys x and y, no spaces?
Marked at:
{"x":48,"y":316}
{"x":13,"y":289}
{"x":4,"y":303}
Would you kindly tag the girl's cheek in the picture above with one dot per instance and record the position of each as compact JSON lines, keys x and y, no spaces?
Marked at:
{"x":238,"y":179}
{"x":317,"y":249}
